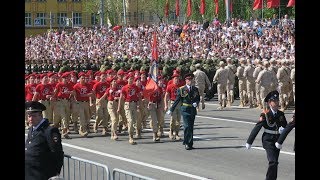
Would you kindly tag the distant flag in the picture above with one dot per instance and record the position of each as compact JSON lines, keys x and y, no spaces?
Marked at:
{"x":177,"y":8}
{"x":166,"y":8}
{"x":291,"y":3}
{"x":155,"y":53}
{"x":257,"y":4}
{"x":273,"y":3}
{"x":230,"y":7}
{"x":202,"y":7}
{"x":216,"y":2}
{"x":152,"y":85}
{"x":189,"y":8}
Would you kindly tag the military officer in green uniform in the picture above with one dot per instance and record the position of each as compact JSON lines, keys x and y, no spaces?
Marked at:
{"x":190,"y":98}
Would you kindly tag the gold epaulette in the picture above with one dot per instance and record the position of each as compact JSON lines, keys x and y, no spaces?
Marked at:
{"x":183,"y":91}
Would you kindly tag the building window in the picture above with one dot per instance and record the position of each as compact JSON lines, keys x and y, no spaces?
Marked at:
{"x":135,"y":16}
{"x":141,"y":16}
{"x":129,"y":16}
{"x":61,"y":0}
{"x":77,"y":19}
{"x":27,"y":19}
{"x":150,"y":16}
{"x":40,"y":20}
{"x":94,"y":19}
{"x":61,"y":19}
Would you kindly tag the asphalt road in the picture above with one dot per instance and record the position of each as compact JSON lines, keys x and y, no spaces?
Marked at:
{"x":219,"y":139}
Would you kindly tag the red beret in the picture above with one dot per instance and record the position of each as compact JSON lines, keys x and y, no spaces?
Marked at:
{"x":120,"y":72}
{"x":98,"y":73}
{"x":175,"y":75}
{"x":89,"y":72}
{"x":136,"y":78}
{"x":42,"y":75}
{"x":50,"y":74}
{"x":82,"y":74}
{"x":64,"y":75}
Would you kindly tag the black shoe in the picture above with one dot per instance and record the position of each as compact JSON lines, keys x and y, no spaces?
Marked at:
{"x":188,"y":147}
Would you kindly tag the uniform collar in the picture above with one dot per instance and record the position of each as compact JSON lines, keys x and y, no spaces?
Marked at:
{"x":36,"y":127}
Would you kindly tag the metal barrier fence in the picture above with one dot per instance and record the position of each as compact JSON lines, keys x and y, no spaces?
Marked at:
{"x":75,"y":168}
{"x":119,"y":174}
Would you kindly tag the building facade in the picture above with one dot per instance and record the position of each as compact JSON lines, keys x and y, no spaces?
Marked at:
{"x":42,"y":15}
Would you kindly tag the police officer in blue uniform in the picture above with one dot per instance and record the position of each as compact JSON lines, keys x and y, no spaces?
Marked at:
{"x":190,"y":98}
{"x":273,"y":121}
{"x":43,"y":148}
{"x":285,"y":133}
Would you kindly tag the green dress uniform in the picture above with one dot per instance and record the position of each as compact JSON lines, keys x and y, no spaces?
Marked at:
{"x":188,"y":111}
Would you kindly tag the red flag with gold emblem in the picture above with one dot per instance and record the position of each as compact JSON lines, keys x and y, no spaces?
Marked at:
{"x":189,"y":8}
{"x":216,"y":2}
{"x":291,"y":3}
{"x":155,"y":53}
{"x":177,"y":8}
{"x":166,"y":8}
{"x":257,"y":4}
{"x":202,"y":7}
{"x":273,"y":3}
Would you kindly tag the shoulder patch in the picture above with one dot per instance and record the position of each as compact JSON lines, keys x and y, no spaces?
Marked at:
{"x":55,"y":137}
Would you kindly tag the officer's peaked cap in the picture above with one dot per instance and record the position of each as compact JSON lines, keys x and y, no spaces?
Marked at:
{"x":273,"y":95}
{"x":189,"y":76}
{"x":34,"y":106}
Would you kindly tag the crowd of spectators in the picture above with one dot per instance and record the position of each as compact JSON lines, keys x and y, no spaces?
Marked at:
{"x":252,"y":39}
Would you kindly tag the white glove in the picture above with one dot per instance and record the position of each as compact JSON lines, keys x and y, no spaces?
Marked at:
{"x":209,"y":88}
{"x":194,"y":104}
{"x":169,"y":112}
{"x":248,"y":146}
{"x":279,"y":146}
{"x":280,"y":129}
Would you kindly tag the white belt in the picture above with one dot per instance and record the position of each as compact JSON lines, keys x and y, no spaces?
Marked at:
{"x":271,"y":131}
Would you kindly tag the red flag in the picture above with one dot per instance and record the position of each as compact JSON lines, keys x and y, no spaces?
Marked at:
{"x":155,"y":53}
{"x":216,"y":2}
{"x":189,"y":8}
{"x":166,"y":9}
{"x":273,"y":3}
{"x":231,"y":6}
{"x":177,"y":8}
{"x":257,"y":4}
{"x":291,"y":3}
{"x":202,"y":7}
{"x":151,"y":85}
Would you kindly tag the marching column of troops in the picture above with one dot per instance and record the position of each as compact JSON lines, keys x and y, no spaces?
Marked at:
{"x":115,"y":99}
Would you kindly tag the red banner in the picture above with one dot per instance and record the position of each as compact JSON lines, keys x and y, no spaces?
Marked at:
{"x":189,"y":8}
{"x":216,"y":2}
{"x":257,"y":4}
{"x":166,"y":9}
{"x":155,"y":53}
{"x":202,"y":7}
{"x":291,"y":3}
{"x":177,"y":8}
{"x":273,"y":3}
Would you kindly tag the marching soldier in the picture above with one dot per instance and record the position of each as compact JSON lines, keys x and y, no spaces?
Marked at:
{"x":256,"y":72}
{"x":102,"y":115}
{"x":201,"y":81}
{"x":171,"y":95}
{"x":273,"y":121}
{"x":62,"y":94}
{"x":221,"y":78}
{"x":230,"y":83}
{"x":132,"y":100}
{"x":190,"y":98}
{"x":82,"y":96}
{"x":248,"y":74}
{"x":242,"y":82}
{"x":283,"y":76}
